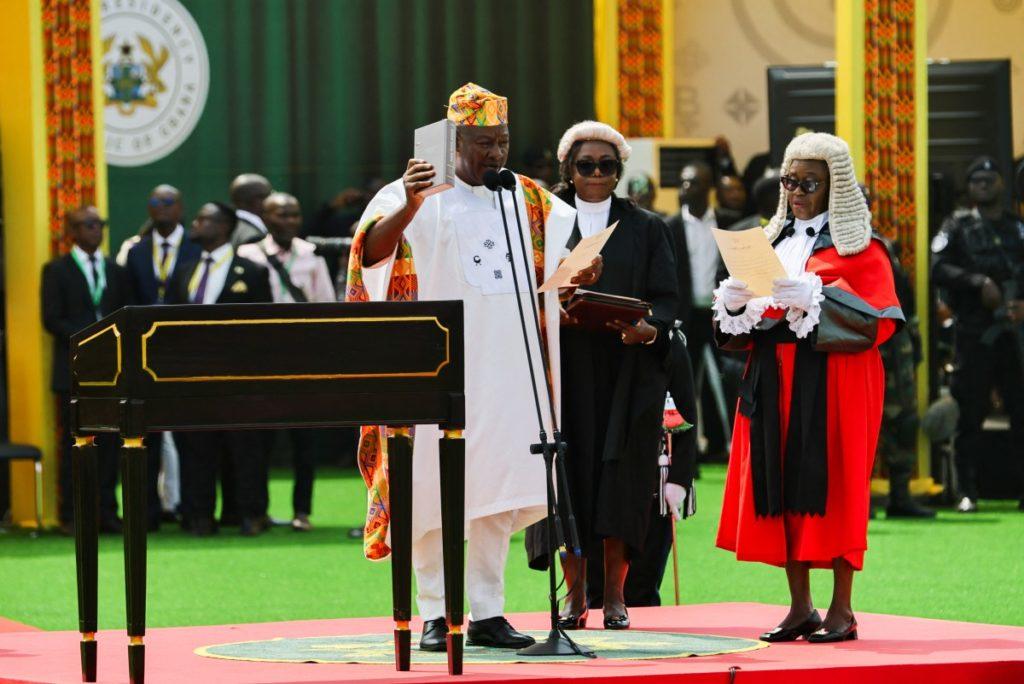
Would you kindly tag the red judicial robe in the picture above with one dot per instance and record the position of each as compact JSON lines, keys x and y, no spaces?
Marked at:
{"x":860,"y":311}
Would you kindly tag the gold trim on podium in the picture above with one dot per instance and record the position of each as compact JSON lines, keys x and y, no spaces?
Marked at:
{"x":302,"y":376}
{"x":117,"y":373}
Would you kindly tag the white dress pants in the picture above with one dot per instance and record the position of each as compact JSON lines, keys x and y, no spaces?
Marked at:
{"x":485,"y":568}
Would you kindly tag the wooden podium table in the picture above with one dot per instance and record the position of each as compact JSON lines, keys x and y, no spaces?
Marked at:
{"x":151,"y":368}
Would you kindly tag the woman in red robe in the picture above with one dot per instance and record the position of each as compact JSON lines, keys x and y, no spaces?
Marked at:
{"x":798,"y":488}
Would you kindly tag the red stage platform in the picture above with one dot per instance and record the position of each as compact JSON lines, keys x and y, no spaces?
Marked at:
{"x":891,"y":649}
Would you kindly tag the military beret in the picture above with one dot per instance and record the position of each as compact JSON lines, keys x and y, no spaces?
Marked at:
{"x":983,"y":163}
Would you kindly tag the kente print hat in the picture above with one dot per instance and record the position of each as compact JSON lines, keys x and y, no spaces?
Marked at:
{"x":472,"y":105}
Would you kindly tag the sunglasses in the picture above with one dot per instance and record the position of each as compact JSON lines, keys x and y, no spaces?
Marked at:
{"x":808,"y":185}
{"x":586,"y":167}
{"x":162,"y":201}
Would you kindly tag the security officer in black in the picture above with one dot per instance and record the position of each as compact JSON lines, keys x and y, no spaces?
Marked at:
{"x":978,"y":259}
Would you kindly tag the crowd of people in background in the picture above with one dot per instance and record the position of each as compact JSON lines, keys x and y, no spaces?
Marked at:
{"x":260,"y":239}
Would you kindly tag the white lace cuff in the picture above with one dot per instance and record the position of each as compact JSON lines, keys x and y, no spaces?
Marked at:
{"x":801,"y":321}
{"x":743,"y":322}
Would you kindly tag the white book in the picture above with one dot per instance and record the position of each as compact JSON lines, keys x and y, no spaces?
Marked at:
{"x":435,"y":144}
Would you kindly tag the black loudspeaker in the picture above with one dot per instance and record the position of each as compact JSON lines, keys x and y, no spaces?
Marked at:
{"x":969,"y":113}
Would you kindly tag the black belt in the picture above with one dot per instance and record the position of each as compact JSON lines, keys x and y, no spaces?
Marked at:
{"x":796,"y":480}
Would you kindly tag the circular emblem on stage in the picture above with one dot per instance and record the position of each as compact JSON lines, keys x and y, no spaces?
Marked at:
{"x":379,"y":648}
{"x":156,"y":77}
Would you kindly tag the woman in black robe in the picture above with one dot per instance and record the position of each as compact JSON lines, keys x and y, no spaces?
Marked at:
{"x":613,"y":382}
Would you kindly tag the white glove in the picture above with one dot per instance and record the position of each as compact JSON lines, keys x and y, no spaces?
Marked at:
{"x":794,"y":293}
{"x":675,"y":496}
{"x":734,"y":294}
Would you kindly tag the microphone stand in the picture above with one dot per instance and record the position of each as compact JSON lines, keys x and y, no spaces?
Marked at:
{"x":557,"y":642}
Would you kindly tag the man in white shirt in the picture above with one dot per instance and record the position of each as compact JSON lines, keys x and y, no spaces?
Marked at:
{"x":220,"y":276}
{"x":151,"y":261}
{"x":78,"y":289}
{"x":456,"y":241}
{"x":699,"y":264}
{"x":248,"y":191}
{"x":297,"y":274}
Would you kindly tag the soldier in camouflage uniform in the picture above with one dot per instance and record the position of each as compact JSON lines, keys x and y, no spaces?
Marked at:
{"x":897,"y":442}
{"x":978,"y":260}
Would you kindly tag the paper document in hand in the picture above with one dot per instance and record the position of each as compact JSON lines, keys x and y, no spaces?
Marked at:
{"x":749,"y":257}
{"x":580,"y":258}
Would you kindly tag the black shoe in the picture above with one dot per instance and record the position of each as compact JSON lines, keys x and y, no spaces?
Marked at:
{"x":571,"y":621}
{"x":252,"y":527}
{"x":434,"y":632}
{"x":780,"y":634}
{"x":617,"y":621}
{"x":111,"y":526}
{"x":831,"y":636}
{"x":908,"y":509}
{"x":201,"y":527}
{"x":497,"y":633}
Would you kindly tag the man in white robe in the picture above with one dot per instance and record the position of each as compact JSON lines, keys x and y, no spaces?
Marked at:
{"x":458,"y":246}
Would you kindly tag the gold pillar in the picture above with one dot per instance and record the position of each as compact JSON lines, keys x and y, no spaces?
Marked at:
{"x":882,"y":112}
{"x":606,"y":61}
{"x":51,"y":150}
{"x":634,"y":75}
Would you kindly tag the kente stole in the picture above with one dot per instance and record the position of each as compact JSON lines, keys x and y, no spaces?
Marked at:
{"x":372,"y":455}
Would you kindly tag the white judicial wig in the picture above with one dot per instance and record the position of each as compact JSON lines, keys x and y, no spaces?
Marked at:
{"x":849,"y":218}
{"x":593,"y":130}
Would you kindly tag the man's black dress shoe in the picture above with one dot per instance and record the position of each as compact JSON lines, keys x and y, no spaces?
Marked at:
{"x":780,"y":634}
{"x":202,"y":527}
{"x":252,"y":527}
{"x":434,"y":632}
{"x":831,"y":636}
{"x":498,"y":633}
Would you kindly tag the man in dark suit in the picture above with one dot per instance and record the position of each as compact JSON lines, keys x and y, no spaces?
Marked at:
{"x":151,"y":262}
{"x":78,"y":289}
{"x":248,"y":192}
{"x":698,"y":266}
{"x":220,"y":276}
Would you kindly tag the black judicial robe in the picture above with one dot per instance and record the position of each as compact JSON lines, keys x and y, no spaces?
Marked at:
{"x":613,"y":395}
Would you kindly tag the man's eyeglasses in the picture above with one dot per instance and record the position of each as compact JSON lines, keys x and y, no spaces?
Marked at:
{"x":808,"y":185}
{"x":586,"y":167}
{"x":162,"y":201}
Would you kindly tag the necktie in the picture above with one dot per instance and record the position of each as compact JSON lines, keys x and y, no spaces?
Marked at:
{"x":96,"y":293}
{"x":201,"y":289}
{"x":165,"y":253}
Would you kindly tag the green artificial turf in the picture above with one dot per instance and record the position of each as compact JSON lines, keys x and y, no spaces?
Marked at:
{"x":959,"y":567}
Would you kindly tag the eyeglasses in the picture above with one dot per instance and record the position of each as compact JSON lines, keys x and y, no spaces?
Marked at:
{"x":586,"y":167}
{"x":162,"y":201}
{"x":808,"y":185}
{"x":90,"y":223}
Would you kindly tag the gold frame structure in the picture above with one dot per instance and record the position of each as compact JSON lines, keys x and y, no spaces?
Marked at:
{"x":313,"y":376}
{"x":117,"y":373}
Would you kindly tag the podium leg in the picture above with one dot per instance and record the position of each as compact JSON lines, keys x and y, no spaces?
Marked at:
{"x":133,"y":485}
{"x":400,"y":498}
{"x":87,"y":513}
{"x":453,"y":527}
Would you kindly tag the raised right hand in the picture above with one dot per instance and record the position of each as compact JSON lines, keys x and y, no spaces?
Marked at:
{"x":416,"y":179}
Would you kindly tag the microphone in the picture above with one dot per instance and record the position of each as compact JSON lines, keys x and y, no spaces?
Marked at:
{"x":507,"y":180}
{"x":492,"y":180}
{"x":810,"y":232}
